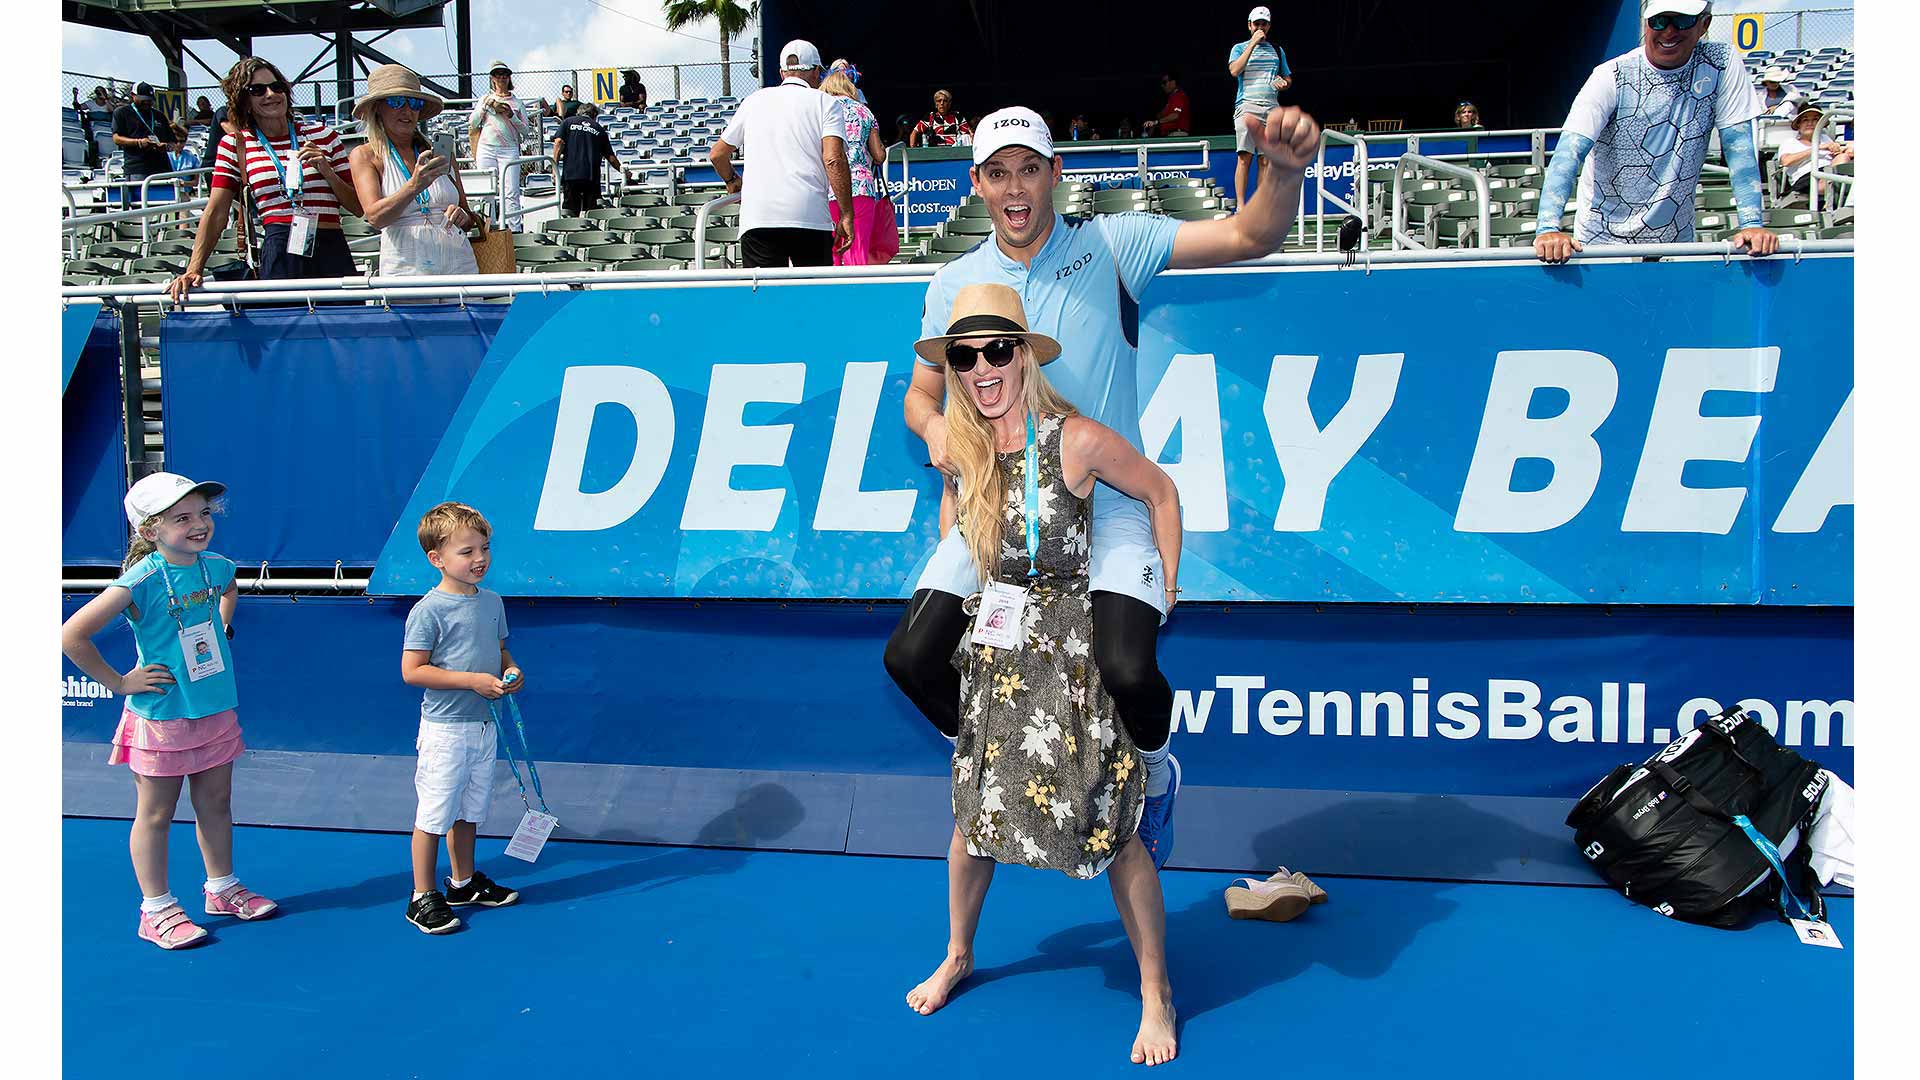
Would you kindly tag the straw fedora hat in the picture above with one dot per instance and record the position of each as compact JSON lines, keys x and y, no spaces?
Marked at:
{"x":987,"y":309}
{"x":395,"y":79}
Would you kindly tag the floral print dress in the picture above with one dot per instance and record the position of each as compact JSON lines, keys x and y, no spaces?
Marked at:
{"x":1044,"y":773}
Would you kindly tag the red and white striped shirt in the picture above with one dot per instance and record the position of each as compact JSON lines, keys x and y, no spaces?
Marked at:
{"x":275,"y":206}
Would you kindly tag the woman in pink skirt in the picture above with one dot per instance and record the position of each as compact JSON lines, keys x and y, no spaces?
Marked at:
{"x":180,"y":718}
{"x":876,"y":238}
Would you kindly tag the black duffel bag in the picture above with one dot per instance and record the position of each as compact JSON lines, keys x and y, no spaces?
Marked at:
{"x":1664,"y":834}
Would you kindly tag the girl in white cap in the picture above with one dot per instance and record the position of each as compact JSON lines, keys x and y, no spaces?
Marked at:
{"x":180,"y":718}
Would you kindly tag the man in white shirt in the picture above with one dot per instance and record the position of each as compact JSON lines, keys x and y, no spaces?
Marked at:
{"x":799,"y":154}
{"x":1259,"y":69}
{"x":499,"y":124}
{"x":1646,"y":117}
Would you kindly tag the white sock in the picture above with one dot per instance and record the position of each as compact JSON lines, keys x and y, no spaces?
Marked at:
{"x":153,"y":905}
{"x":1159,"y":776}
{"x":461,"y":884}
{"x":416,"y":896}
{"x":217,"y":885}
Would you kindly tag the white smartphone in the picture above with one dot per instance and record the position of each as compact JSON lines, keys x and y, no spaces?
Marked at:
{"x":443,"y":145}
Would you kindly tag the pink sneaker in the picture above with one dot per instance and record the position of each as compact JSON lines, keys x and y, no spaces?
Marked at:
{"x":170,"y":928}
{"x":239,"y":901}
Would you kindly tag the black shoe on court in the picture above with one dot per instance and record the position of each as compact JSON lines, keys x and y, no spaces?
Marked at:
{"x":482,"y":890}
{"x":431,"y":914}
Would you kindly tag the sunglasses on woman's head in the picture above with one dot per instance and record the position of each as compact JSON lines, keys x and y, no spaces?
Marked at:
{"x":999,"y":353}
{"x":260,"y":89}
{"x":397,"y":101}
{"x":1678,"y":22}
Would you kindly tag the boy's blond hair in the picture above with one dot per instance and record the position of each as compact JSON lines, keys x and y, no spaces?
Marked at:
{"x":439,"y":524}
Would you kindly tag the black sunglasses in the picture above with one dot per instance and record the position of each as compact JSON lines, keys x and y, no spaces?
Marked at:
{"x":1678,"y":22}
{"x":400,"y":101}
{"x":999,"y":353}
{"x":260,"y":89}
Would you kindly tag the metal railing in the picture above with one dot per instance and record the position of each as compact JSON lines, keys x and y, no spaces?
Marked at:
{"x":1400,"y":236}
{"x":1819,"y":136}
{"x":706,"y":210}
{"x":73,"y":225}
{"x":1322,"y":198}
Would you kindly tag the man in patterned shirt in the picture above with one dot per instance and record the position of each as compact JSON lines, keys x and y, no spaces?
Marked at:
{"x":1645,"y":118}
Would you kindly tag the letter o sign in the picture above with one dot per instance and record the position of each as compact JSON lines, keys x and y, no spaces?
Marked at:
{"x":1748,"y":32}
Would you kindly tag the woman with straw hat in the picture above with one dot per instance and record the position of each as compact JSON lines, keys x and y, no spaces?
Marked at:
{"x":1044,"y":773}
{"x":411,"y":194}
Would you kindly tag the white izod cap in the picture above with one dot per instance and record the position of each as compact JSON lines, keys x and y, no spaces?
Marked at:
{"x":1650,"y":8}
{"x":799,"y":55}
{"x":158,"y":491}
{"x":1012,"y":126}
{"x":1259,"y":14}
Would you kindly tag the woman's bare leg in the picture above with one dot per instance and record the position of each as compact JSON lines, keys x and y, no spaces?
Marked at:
{"x":1136,"y":895}
{"x":968,"y":877}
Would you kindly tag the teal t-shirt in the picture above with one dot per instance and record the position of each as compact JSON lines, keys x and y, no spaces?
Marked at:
{"x":156,"y":634}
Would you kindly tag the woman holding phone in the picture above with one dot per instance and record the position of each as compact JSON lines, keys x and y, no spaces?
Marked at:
{"x":410,"y":189}
{"x":296,"y":173}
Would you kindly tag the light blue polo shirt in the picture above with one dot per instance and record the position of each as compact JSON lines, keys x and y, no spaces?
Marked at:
{"x":157,"y":636}
{"x":1083,"y":290}
{"x":1255,"y":85}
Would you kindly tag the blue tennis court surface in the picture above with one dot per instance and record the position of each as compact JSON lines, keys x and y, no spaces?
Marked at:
{"x":697,"y":962}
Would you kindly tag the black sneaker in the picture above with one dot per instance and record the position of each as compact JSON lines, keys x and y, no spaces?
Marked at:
{"x":431,"y":914}
{"x":482,"y":890}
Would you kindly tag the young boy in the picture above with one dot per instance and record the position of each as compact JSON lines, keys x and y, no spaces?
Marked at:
{"x":456,"y":650}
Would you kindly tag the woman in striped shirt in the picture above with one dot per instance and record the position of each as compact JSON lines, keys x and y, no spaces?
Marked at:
{"x":294,"y":170}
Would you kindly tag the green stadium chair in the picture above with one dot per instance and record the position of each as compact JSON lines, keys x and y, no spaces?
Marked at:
{"x":141,"y":279}
{"x":970,"y":227}
{"x":170,"y":247}
{"x":1837,"y":232}
{"x":642,"y":200}
{"x":698,"y":197}
{"x":568,"y":224}
{"x":81,"y":279}
{"x":170,"y":265}
{"x":604,"y":213}
{"x":529,"y":239}
{"x":722,"y":234}
{"x":1514,"y":200}
{"x":568,"y":267}
{"x":1712,"y":222}
{"x":979,"y":209}
{"x":655,"y":237}
{"x":685,"y":250}
{"x":651,"y":264}
{"x":97,"y":268}
{"x":1513,"y":172}
{"x":1715,"y":200}
{"x":1199,"y":214}
{"x":1193,"y":202}
{"x":614,"y":253}
{"x":683,"y":221}
{"x":937,"y":257}
{"x":540,"y":256}
{"x":626,"y":223}
{"x":953,"y":245}
{"x":1792,"y":219}
{"x":112,"y":250}
{"x":587,"y":238}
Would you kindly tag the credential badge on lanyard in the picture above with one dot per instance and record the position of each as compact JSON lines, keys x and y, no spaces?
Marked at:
{"x":304,"y":231}
{"x":997,"y":623}
{"x":535,"y":825}
{"x":199,"y":644}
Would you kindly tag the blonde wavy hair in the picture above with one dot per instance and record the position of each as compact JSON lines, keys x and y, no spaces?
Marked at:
{"x":970,"y":447}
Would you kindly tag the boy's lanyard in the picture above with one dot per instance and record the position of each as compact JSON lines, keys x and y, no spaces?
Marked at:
{"x":520,"y":729}
{"x":174,"y":607}
{"x":296,"y":194}
{"x":407,"y":174}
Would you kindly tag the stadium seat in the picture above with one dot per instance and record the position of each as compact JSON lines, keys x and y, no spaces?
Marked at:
{"x":970,"y":227}
{"x":937,"y":257}
{"x":1172,"y":203}
{"x":112,"y":250}
{"x":716,"y":253}
{"x":1715,"y":200}
{"x":605,"y":212}
{"x":626,"y":223}
{"x":978,"y":209}
{"x":141,"y":279}
{"x":96,"y":268}
{"x":1514,"y":200}
{"x":568,"y":224}
{"x":529,"y":239}
{"x":541,"y":255}
{"x":170,"y":247}
{"x":656,"y":236}
{"x":568,"y":267}
{"x":954,"y":245}
{"x":722,"y":234}
{"x":1199,"y":214}
{"x":698,"y":196}
{"x":651,"y":264}
{"x":641,"y":201}
{"x":1792,"y":219}
{"x":171,"y":265}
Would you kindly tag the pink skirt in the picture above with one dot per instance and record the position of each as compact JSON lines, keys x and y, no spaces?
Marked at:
{"x":176,"y":747}
{"x":876,"y":238}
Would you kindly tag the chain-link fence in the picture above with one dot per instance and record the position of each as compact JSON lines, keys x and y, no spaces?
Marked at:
{"x":664,"y":82}
{"x":1818,"y":28}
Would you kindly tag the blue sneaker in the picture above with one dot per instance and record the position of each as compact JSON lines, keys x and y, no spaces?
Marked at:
{"x":1156,"y":818}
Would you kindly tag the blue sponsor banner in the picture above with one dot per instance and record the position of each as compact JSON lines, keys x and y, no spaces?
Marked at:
{"x":319,"y":422}
{"x":1602,"y":433}
{"x":1455,"y":700}
{"x":93,"y":440}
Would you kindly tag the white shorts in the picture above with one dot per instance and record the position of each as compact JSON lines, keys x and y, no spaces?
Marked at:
{"x":1119,"y":565}
{"x":1242,"y":143}
{"x":454,"y":777}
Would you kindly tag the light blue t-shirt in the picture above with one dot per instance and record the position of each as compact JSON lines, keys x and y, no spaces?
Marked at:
{"x":458,"y":633}
{"x":1083,"y":290}
{"x":1269,"y":61}
{"x":157,"y":635}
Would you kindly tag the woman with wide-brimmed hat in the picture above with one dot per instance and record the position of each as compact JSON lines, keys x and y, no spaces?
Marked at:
{"x":411,"y":194}
{"x":1044,"y":772}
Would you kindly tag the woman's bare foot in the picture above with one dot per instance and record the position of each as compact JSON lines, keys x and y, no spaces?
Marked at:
{"x":1155,"y":1044}
{"x":930,"y":995}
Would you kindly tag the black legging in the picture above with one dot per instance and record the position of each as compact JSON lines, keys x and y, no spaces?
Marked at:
{"x":1126,"y":634}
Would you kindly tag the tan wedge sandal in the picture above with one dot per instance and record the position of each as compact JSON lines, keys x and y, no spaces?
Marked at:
{"x":1275,"y":901}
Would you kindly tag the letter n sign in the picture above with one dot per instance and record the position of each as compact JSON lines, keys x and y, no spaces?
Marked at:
{"x":606,"y":85}
{"x":1748,"y":32}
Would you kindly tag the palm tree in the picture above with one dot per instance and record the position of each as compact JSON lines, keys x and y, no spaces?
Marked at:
{"x":732,"y":18}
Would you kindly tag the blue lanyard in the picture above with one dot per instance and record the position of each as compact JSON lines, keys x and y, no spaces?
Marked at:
{"x":407,"y":174}
{"x":174,"y":607}
{"x":1033,"y":503}
{"x":1773,"y":856}
{"x":520,"y":729}
{"x":296,"y":195}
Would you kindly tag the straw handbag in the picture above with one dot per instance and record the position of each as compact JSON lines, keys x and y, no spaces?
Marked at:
{"x":493,"y":249}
